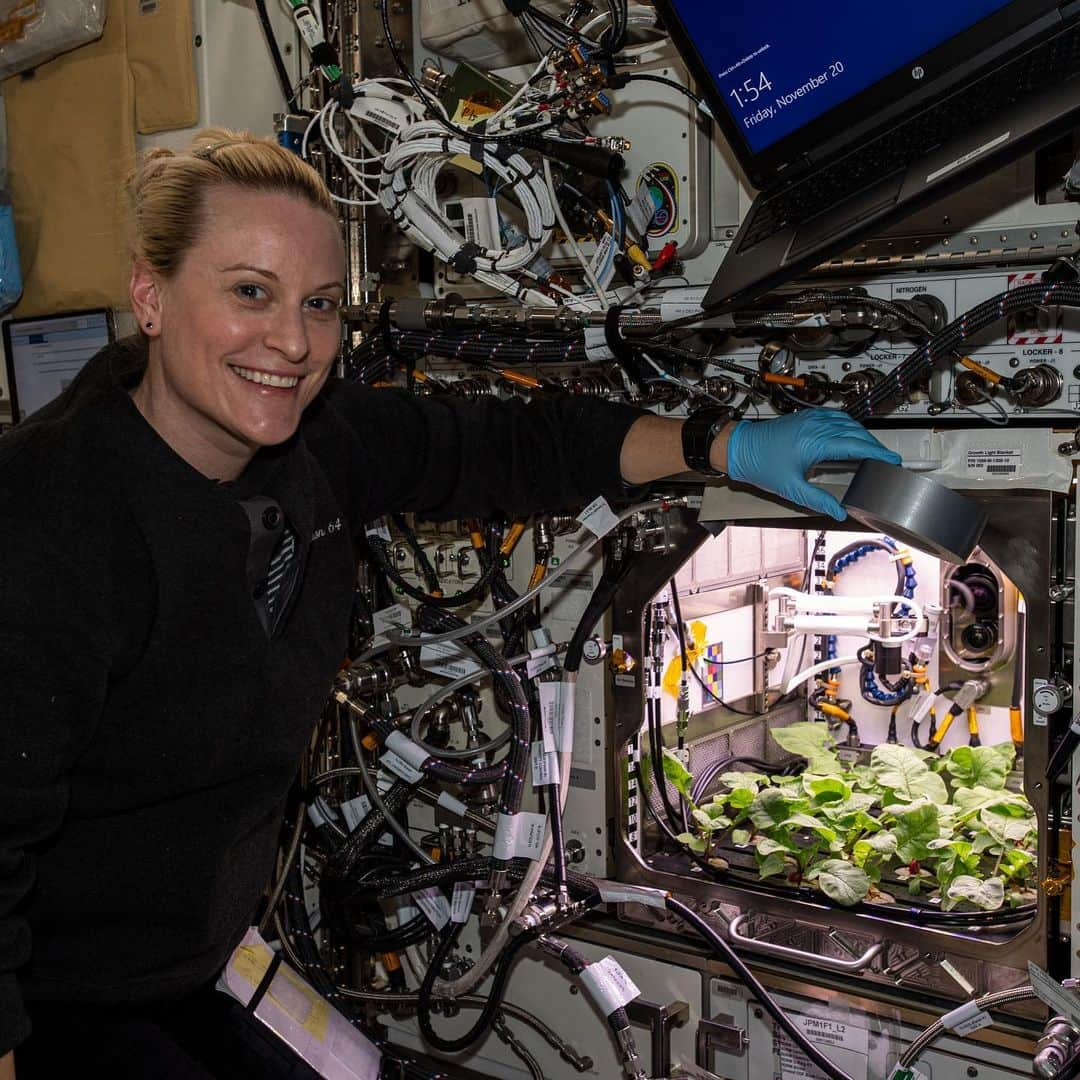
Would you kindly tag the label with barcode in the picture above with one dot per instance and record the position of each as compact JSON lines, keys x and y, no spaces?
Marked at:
{"x":598,"y":517}
{"x":395,"y":617}
{"x":434,"y":905}
{"x":557,"y":733}
{"x":995,"y":461}
{"x":462,"y":900}
{"x":400,"y":767}
{"x":355,"y":810}
{"x":448,"y":658}
{"x":609,"y":985}
{"x":545,"y":766}
{"x":308,"y":25}
{"x":388,"y":115}
{"x":602,"y":264}
{"x":538,"y":665}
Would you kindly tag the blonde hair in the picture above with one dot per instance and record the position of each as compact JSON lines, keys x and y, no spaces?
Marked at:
{"x":168,"y":189}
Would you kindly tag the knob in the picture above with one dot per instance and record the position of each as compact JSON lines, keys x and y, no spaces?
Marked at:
{"x":575,"y":852}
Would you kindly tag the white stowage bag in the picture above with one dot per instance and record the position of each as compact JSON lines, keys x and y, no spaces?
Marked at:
{"x":33,"y":31}
{"x":482,"y":32}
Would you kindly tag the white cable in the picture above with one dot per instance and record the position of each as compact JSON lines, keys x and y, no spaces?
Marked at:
{"x":408,"y":193}
{"x":810,"y":672}
{"x":506,"y":109}
{"x":571,"y":240}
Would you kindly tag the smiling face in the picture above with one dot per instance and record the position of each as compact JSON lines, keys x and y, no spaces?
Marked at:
{"x":243,"y":335}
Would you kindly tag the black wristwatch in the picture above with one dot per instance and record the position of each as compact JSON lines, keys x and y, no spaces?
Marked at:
{"x":698,"y":433}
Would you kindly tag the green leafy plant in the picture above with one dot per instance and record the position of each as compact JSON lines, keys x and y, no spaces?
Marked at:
{"x":944,"y":827}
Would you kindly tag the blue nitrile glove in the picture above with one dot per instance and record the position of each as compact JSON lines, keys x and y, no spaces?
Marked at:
{"x":775,"y":454}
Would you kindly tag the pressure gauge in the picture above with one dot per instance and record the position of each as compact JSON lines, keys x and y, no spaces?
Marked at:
{"x":1049,"y":697}
{"x":776,"y":360}
{"x":594,"y":650}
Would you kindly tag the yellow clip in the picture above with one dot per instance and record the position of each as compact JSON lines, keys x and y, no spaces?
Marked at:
{"x":991,"y":377}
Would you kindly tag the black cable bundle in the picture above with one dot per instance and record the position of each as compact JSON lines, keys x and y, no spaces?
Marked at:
{"x":948,"y":342}
{"x":513,"y":770}
{"x":380,"y":555}
{"x":374,"y":359}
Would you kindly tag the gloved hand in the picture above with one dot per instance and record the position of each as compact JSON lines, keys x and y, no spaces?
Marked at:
{"x":775,"y":454}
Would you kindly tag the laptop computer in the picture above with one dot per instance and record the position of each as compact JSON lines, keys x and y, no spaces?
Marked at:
{"x":44,"y":353}
{"x":847,"y":116}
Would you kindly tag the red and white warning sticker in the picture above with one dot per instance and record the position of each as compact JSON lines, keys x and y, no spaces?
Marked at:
{"x":1049,"y":329}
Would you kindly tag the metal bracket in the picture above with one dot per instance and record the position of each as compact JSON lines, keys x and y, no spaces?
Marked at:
{"x":659,"y":1019}
{"x":720,"y":1033}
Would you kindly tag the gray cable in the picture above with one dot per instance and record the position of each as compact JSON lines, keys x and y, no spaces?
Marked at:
{"x":997,"y":1000}
{"x":372,"y":789}
{"x":437,"y":699}
{"x":290,"y":855}
{"x":517,"y":1047}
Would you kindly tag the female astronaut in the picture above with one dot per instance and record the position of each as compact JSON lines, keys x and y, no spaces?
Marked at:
{"x":176,"y":573}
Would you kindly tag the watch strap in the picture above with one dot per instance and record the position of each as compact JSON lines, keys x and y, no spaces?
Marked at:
{"x":698,"y":432}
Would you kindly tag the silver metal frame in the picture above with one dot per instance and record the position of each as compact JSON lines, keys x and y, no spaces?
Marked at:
{"x":1021,"y":541}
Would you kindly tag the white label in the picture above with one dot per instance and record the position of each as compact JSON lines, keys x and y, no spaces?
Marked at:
{"x":608,"y":985}
{"x":597,"y":517}
{"x":448,"y":658}
{"x":995,"y":461}
{"x":389,"y":116}
{"x":598,"y":263}
{"x":1051,"y":992}
{"x":539,"y":666}
{"x":596,"y":346}
{"x":400,"y":767}
{"x":611,"y":892}
{"x":910,"y":1073}
{"x":355,"y":810}
{"x":378,"y":528}
{"x":790,"y":1063}
{"x":642,"y":209}
{"x":434,"y":905}
{"x":519,"y":835}
{"x":405,"y":909}
{"x":556,"y":727}
{"x":395,"y":617}
{"x":966,"y":1019}
{"x":399,"y":743}
{"x":308,"y":25}
{"x":462,"y":900}
{"x":545,"y":766}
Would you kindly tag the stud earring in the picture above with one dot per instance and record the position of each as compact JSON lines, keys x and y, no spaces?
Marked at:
{"x":149,"y":325}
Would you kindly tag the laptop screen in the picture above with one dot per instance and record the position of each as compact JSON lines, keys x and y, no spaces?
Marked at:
{"x":779,"y":65}
{"x":45,"y":354}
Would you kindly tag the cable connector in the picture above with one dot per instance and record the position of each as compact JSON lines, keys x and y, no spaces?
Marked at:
{"x":969,"y":693}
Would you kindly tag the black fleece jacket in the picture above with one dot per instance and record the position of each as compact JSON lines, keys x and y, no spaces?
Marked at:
{"x":149,"y":726}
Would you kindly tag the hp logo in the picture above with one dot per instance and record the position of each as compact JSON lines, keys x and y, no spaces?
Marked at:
{"x":917,"y":73}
